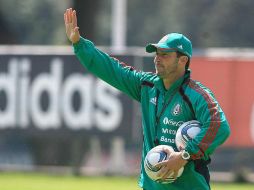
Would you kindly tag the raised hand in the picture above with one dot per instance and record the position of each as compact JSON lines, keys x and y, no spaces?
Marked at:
{"x":72,"y":30}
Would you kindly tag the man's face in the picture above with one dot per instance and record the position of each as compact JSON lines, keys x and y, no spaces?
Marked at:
{"x":166,"y":63}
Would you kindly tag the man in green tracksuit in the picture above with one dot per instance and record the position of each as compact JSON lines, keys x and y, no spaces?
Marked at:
{"x":168,"y":99}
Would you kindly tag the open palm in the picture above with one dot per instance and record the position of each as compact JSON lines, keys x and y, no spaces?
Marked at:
{"x":72,"y":30}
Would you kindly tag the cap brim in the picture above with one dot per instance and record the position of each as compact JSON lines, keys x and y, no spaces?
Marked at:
{"x":150,"y":48}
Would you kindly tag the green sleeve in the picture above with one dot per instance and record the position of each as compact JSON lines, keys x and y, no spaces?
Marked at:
{"x":215,"y":128}
{"x":115,"y":73}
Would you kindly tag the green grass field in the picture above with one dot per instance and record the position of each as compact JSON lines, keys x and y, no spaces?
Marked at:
{"x":35,"y":181}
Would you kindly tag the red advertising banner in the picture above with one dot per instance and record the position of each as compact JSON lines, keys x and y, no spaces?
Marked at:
{"x":231,"y":81}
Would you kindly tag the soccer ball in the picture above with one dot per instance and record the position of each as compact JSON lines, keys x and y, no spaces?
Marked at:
{"x":154,"y":156}
{"x":186,"y":132}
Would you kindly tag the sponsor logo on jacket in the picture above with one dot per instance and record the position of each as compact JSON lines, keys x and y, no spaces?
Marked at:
{"x":167,"y":121}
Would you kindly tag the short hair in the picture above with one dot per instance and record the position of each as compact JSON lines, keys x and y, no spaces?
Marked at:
{"x":179,"y":54}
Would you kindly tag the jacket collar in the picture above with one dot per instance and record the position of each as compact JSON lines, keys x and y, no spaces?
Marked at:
{"x":158,"y":83}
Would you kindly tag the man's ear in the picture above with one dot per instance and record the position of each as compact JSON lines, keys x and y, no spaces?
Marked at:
{"x":183,"y":60}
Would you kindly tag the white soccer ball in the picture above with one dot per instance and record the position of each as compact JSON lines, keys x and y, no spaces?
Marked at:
{"x":154,"y":156}
{"x":186,"y":132}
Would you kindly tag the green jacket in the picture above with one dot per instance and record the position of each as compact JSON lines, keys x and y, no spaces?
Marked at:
{"x":146,"y":88}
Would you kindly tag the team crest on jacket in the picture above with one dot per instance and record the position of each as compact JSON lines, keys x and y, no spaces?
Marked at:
{"x":177,"y":109}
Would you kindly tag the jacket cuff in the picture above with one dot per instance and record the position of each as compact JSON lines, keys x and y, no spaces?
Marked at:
{"x":82,"y":43}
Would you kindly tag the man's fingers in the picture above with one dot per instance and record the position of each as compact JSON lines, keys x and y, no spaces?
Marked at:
{"x":166,"y":174}
{"x":175,"y":174}
{"x":160,"y":163}
{"x":76,"y":30}
{"x":65,"y":18}
{"x":74,"y":18}
{"x":162,"y":172}
{"x":168,"y":151}
{"x":69,"y":15}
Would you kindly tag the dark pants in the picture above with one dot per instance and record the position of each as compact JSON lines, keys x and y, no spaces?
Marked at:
{"x":202,"y":168}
